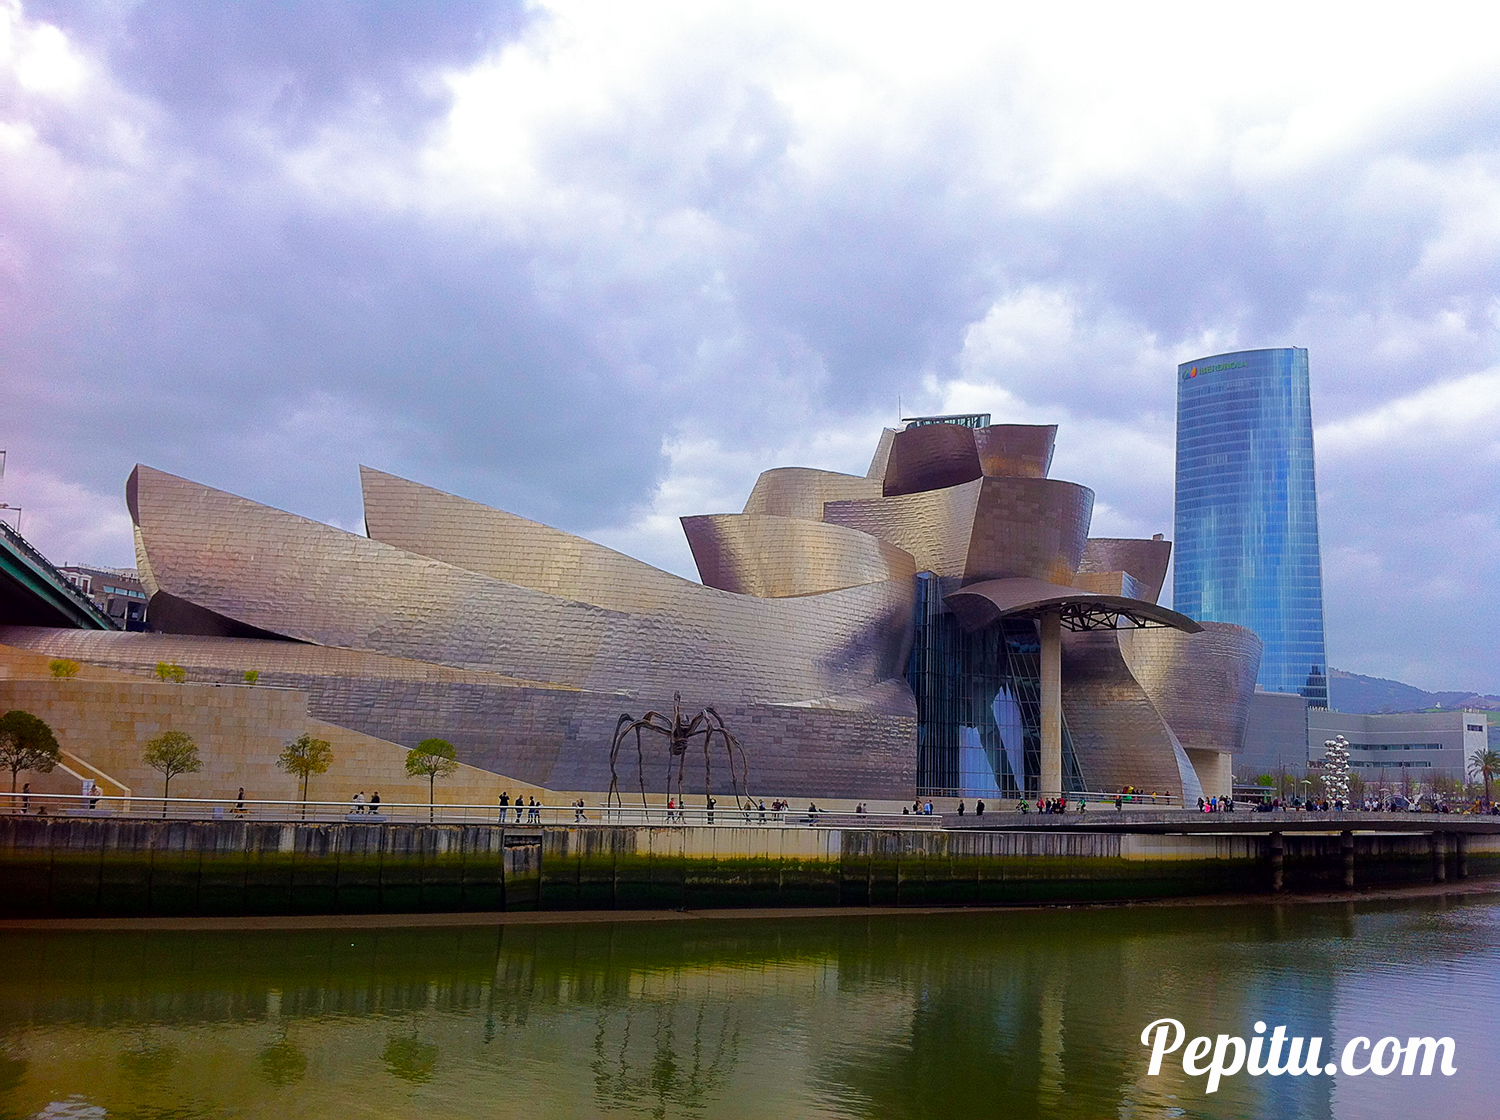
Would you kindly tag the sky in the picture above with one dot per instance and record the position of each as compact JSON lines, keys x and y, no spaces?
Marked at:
{"x":600,"y":264}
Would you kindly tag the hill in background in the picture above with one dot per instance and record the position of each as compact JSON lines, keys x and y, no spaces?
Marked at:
{"x":1351,"y":692}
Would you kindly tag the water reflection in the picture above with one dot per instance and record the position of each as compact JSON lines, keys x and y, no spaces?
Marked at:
{"x":908,"y":1016}
{"x":282,"y":1064}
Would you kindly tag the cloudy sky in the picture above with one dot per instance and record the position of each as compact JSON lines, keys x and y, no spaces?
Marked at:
{"x":601,"y":263}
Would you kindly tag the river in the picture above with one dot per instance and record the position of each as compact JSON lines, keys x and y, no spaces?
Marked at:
{"x":1022,"y":1012}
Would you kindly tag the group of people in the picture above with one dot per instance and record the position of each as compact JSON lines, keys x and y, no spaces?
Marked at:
{"x":358,"y":802}
{"x":1049,"y":805}
{"x":532,"y":812}
{"x":978,"y":808}
{"x":1216,"y":805}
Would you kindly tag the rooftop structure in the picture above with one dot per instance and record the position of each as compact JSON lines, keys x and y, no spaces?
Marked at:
{"x":115,"y":591}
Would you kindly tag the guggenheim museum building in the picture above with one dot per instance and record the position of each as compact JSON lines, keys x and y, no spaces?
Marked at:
{"x":943,"y":625}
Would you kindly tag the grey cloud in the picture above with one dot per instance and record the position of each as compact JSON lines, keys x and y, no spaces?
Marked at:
{"x":206,"y":313}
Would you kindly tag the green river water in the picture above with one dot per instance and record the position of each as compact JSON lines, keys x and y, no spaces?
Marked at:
{"x":1019,"y":1013}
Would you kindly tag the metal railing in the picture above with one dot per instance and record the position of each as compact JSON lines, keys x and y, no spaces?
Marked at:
{"x":141,"y":807}
{"x":73,"y":806}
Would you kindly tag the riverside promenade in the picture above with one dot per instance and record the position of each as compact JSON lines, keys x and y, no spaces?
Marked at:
{"x":124,"y":866}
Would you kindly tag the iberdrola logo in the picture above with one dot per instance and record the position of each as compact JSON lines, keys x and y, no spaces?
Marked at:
{"x":1194,"y":371}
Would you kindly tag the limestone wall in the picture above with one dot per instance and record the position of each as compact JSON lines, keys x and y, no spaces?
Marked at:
{"x":106,"y":717}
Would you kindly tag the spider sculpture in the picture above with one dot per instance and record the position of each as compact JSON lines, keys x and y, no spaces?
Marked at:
{"x":680,"y":732}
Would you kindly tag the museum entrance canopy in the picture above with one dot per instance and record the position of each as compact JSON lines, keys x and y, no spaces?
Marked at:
{"x":980,"y":604}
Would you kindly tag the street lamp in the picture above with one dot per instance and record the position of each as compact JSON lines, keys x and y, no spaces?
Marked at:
{"x":1304,"y":782}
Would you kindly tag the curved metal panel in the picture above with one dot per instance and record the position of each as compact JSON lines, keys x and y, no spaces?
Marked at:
{"x":288,"y":575}
{"x":1016,"y":450}
{"x":777,"y":557}
{"x":1029,"y":527}
{"x":933,"y":527}
{"x":1145,"y":560}
{"x":882,"y":455}
{"x":802,"y":491}
{"x":991,"y":528}
{"x":930,"y":457}
{"x":492,"y":542}
{"x":1201,"y":683}
{"x":1119,"y":737}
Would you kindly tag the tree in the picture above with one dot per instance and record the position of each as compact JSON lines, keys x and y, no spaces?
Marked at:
{"x":252,"y":675}
{"x":434,"y":758}
{"x":62,"y":667}
{"x":172,"y":753}
{"x":305,"y":756}
{"x":1486,"y":763}
{"x":26,"y":743}
{"x":169,"y":671}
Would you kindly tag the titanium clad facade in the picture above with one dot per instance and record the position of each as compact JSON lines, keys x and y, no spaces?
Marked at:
{"x":1247,"y":510}
{"x":523,"y":645}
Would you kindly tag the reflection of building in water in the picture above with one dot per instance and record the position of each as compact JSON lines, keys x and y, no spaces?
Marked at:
{"x":956,"y":1014}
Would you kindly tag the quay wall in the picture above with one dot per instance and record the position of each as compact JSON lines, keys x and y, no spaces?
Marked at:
{"x":90,"y":867}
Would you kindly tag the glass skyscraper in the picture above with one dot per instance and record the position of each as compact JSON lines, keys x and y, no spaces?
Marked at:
{"x":1247,"y":510}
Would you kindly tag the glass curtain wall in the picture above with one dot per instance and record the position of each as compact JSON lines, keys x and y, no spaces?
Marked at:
{"x":1247,"y":510}
{"x":978,"y":704}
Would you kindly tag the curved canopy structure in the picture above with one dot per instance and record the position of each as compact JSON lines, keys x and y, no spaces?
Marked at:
{"x":980,"y":604}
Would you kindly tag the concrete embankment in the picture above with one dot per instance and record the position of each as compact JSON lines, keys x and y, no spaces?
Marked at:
{"x":109,"y":867}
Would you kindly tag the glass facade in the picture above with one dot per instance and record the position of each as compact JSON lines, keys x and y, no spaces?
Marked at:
{"x":978,"y":703}
{"x":1247,"y":510}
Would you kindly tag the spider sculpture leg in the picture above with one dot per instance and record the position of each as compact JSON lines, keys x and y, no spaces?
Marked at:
{"x":651,"y":721}
{"x":640,"y":766}
{"x":731,"y":746}
{"x":622,"y":728}
{"x":695,"y":728}
{"x":708,"y":788}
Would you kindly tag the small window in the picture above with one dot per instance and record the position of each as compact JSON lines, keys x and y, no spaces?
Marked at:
{"x":1475,"y":726}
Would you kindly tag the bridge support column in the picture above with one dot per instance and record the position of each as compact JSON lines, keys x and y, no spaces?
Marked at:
{"x":1462,"y":843}
{"x":1346,"y":850}
{"x":1051,"y":782}
{"x":1278,"y":861}
{"x":1438,"y":845}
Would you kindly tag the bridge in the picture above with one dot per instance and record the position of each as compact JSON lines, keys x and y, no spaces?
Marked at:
{"x":34,"y":593}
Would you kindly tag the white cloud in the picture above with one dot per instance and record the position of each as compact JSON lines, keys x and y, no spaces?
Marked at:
{"x":1444,"y":416}
{"x":720,"y":238}
{"x":38,"y":55}
{"x":67,"y":522}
